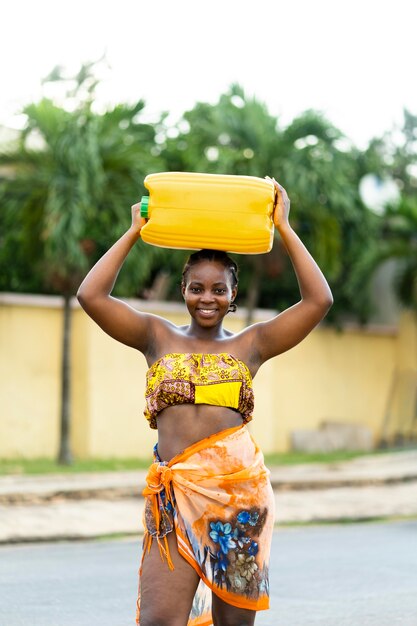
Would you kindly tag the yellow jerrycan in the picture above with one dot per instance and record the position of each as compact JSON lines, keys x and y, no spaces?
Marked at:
{"x":191,"y":211}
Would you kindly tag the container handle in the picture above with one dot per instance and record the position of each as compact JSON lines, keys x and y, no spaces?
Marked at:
{"x":144,"y":203}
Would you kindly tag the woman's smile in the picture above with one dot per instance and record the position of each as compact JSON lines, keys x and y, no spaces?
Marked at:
{"x":207,"y":312}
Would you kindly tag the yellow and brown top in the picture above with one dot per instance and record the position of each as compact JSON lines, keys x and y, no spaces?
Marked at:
{"x":195,"y":378}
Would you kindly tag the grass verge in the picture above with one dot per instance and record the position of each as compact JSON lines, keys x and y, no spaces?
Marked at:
{"x":50,"y":466}
{"x":296,"y":458}
{"x":345,"y":521}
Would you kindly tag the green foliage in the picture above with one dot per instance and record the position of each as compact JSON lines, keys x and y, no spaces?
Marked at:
{"x":397,"y":239}
{"x":70,"y":180}
{"x":316,"y":164}
{"x":235,"y":136}
{"x":67,"y":184}
{"x":395,"y":231}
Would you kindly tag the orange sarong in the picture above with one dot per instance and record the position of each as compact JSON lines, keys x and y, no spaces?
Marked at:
{"x":217,"y":498}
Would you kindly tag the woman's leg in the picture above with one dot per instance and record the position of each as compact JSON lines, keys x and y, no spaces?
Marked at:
{"x":227,"y":615}
{"x":166,"y":596}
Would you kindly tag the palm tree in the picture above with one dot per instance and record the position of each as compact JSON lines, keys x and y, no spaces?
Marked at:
{"x":396,"y":239}
{"x":396,"y":229}
{"x":310,"y":157}
{"x":66,"y":189}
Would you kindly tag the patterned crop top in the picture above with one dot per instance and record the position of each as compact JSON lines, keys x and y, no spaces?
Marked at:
{"x":190,"y":378}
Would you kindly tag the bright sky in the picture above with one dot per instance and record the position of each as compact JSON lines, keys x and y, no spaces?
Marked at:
{"x":355,"y":61}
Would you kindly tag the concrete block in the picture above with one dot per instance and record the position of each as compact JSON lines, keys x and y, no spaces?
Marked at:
{"x":332,"y":436}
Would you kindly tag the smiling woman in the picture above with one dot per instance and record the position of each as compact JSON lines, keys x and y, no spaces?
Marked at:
{"x":209,"y":508}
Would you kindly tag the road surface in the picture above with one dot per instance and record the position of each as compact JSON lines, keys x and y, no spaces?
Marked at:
{"x":330,"y":575}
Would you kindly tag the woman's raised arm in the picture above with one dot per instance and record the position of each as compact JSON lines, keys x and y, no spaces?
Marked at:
{"x":115,"y":317}
{"x":291,"y":326}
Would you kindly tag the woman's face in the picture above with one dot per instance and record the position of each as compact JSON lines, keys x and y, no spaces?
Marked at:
{"x":208,"y":292}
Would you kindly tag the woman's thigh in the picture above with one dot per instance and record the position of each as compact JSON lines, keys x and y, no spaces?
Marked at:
{"x":166,"y":596}
{"x":227,"y":615}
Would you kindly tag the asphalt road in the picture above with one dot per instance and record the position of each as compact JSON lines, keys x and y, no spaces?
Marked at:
{"x":331,"y":575}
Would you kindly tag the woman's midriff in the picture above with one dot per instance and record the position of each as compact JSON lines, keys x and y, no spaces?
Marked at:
{"x":182,"y":425}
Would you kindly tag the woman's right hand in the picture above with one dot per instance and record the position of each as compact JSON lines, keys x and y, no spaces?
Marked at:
{"x":137,"y":221}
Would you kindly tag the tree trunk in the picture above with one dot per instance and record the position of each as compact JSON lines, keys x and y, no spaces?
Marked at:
{"x":254,"y":289}
{"x":65,"y":455}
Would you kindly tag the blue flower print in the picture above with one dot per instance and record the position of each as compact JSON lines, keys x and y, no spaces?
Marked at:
{"x":253,"y":548}
{"x":239,"y":537}
{"x":243,"y":517}
{"x":222,"y":534}
{"x":222,"y":561}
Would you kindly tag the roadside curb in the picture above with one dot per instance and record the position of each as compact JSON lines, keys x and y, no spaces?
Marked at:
{"x":138,"y":535}
{"x":51,"y":492}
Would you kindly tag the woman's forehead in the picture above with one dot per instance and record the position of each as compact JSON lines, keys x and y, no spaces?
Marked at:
{"x":208,"y":271}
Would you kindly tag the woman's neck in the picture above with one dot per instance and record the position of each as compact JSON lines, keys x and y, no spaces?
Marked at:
{"x":211,"y":334}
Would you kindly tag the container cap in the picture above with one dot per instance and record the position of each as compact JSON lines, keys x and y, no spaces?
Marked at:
{"x":144,"y":206}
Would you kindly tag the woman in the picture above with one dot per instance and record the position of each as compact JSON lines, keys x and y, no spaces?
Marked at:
{"x":209,"y":506}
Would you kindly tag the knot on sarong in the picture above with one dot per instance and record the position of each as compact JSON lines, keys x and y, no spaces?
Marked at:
{"x":159,"y":478}
{"x":159,"y":494}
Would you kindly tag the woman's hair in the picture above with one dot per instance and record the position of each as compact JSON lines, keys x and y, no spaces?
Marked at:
{"x":211,"y":255}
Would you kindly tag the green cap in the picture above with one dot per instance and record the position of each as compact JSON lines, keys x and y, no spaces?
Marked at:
{"x":144,"y":206}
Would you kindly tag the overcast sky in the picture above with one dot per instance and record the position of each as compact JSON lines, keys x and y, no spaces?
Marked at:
{"x":355,"y":61}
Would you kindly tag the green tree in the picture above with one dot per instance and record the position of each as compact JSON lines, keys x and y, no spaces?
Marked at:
{"x":394,"y":156}
{"x":395,"y":240}
{"x":312,"y":159}
{"x":65,"y":191}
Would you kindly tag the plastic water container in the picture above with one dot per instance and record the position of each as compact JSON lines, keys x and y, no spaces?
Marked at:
{"x":191,"y":211}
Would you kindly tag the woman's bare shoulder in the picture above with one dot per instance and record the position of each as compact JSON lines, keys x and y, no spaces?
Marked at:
{"x":243,"y":346}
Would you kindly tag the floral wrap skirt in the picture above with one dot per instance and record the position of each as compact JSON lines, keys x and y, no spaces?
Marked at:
{"x":217,"y":498}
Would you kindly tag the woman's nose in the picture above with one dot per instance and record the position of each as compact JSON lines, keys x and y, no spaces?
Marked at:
{"x":207,"y":296}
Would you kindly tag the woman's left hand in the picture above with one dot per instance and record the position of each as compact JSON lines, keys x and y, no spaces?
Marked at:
{"x":282,"y":205}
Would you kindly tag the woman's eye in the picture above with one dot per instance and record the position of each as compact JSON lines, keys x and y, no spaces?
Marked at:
{"x":220,"y":290}
{"x":195,"y":289}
